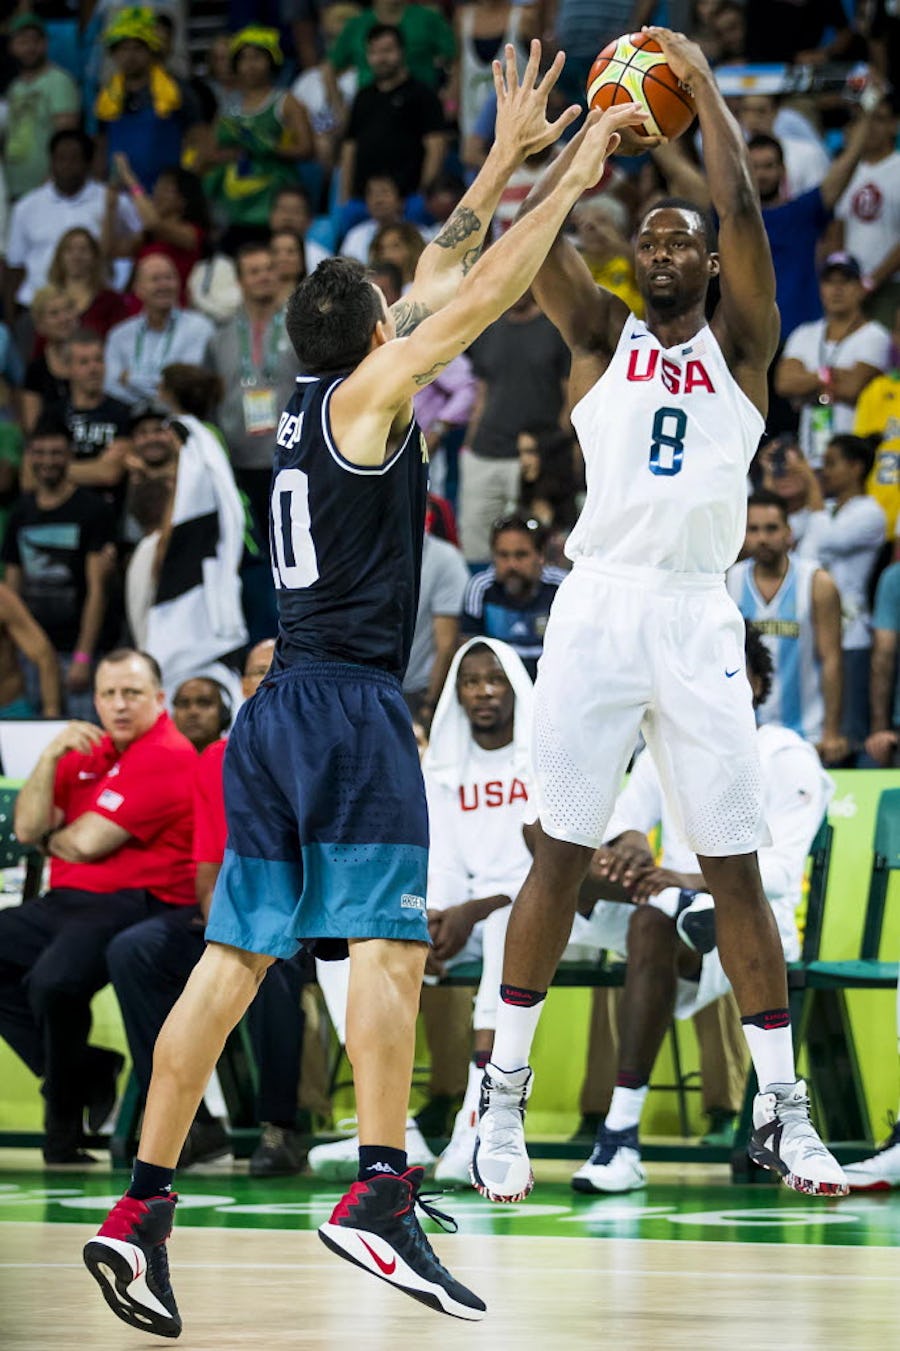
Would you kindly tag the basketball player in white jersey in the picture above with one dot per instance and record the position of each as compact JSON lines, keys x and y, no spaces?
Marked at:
{"x":643,"y":634}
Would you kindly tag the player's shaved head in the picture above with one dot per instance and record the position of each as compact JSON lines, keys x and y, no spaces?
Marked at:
{"x":697,"y":219}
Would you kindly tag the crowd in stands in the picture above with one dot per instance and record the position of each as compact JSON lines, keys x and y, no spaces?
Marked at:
{"x":162,"y":192}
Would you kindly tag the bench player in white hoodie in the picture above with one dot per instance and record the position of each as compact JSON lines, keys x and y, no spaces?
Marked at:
{"x":643,"y":633}
{"x":478,"y":782}
{"x":669,"y":934}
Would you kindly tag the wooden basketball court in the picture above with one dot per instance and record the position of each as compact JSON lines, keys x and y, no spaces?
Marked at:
{"x":690,"y":1262}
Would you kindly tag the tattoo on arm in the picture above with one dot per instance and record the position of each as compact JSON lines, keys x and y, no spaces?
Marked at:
{"x":427,"y":376}
{"x":408,"y":316}
{"x":470,"y":258}
{"x":460,"y":226}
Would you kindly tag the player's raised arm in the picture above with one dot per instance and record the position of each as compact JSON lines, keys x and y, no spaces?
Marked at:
{"x":747,"y":277}
{"x":395,"y":371}
{"x":522,"y":129}
{"x":564,"y":287}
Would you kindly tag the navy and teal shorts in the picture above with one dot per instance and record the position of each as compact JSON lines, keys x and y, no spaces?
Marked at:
{"x":327,"y":822}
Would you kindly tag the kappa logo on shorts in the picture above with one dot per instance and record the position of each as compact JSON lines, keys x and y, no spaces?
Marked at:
{"x":409,"y":902}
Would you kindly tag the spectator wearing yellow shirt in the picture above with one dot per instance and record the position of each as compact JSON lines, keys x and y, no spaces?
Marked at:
{"x":601,"y":223}
{"x":878,"y":414}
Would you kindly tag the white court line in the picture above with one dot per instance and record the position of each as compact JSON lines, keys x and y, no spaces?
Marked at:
{"x":481,"y":1269}
{"x":619,"y":1240}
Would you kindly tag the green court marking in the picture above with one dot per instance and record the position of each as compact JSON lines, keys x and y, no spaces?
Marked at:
{"x":712,"y":1213}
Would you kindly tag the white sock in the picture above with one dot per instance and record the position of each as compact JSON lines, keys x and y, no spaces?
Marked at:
{"x":626,"y":1107}
{"x":473,"y":1094}
{"x":516,"y":1027}
{"x":772,"y":1050}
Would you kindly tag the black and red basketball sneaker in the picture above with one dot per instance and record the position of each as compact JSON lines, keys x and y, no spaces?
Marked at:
{"x":375,"y":1227}
{"x":127,"y":1258}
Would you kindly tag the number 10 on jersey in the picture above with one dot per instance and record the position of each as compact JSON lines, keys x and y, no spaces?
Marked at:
{"x":667,"y":445}
{"x":295,"y":559}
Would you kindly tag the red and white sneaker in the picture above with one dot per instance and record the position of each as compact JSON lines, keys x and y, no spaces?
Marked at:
{"x":881,"y":1172}
{"x":785,"y":1141}
{"x":127,"y":1258}
{"x":375,"y":1227}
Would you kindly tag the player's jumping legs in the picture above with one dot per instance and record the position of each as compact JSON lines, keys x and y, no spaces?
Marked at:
{"x":382,"y":1006}
{"x":127,"y":1257}
{"x":375,"y":1226}
{"x":539,"y":928}
{"x":783,"y":1137}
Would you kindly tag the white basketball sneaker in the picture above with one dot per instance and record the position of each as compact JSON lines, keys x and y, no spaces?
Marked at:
{"x":785,"y":1141}
{"x":454,"y":1165}
{"x":882,"y":1171}
{"x":339,"y":1161}
{"x":501,"y":1169}
{"x":614,"y":1165}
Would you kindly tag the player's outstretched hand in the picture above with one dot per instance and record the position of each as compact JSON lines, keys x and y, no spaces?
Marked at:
{"x":600,"y":137}
{"x":686,"y":59}
{"x":522,"y":126}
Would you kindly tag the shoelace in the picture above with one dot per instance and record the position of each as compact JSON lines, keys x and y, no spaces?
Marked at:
{"x":796,"y":1113}
{"x":505,"y":1133}
{"x":608,"y":1146}
{"x":446,"y":1222}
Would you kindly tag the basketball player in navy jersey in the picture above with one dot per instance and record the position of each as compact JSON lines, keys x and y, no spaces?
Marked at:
{"x":327,"y":828}
{"x":643,"y":633}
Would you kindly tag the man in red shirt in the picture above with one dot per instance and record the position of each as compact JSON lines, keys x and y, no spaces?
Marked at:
{"x":149,"y":965}
{"x":112,"y":807}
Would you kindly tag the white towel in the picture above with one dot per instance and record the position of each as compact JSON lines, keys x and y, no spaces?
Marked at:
{"x":196,"y":617}
{"x":450,"y":742}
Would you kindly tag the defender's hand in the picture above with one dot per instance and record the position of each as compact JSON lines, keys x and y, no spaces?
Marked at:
{"x":686,"y":59}
{"x":601,"y":138}
{"x":522,"y":127}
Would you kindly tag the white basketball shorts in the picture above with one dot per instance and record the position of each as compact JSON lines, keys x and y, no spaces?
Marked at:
{"x":631,"y":649}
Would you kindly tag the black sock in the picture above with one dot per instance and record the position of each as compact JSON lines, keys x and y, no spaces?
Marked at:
{"x":521,"y":998}
{"x":770,"y":1020}
{"x":148,"y":1180}
{"x":628,"y":1079}
{"x":379,"y":1159}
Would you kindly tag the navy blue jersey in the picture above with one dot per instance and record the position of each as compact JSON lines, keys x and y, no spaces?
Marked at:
{"x":346,"y":541}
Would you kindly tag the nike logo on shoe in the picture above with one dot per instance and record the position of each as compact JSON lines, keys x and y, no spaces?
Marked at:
{"x":388,"y":1268}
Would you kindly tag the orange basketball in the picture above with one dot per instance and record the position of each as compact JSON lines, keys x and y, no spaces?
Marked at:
{"x":633,"y":69}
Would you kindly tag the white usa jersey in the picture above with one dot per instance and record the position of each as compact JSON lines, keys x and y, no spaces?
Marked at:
{"x":785,"y":624}
{"x":667,"y":436}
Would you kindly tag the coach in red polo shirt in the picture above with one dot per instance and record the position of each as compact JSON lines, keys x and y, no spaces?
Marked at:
{"x":112,"y":806}
{"x":149,"y":965}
